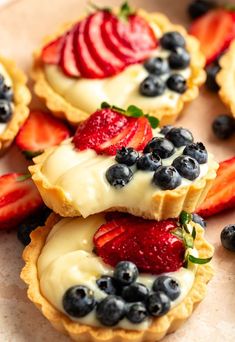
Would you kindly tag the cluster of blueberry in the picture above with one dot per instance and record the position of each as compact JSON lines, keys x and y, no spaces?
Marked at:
{"x":125,"y":298}
{"x":159,"y":68}
{"x":186,"y":165}
{"x":6,"y":97}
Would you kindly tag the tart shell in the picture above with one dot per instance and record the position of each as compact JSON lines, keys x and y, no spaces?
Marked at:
{"x":21,"y":100}
{"x":63,"y":109}
{"x":80,"y":332}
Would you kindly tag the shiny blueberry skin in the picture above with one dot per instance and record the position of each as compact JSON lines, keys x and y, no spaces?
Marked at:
{"x":125,"y":273}
{"x":156,"y":65}
{"x":187,"y":167}
{"x":110,"y":310}
{"x":167,"y":178}
{"x":179,"y":59}
{"x":180,"y":136}
{"x":107,"y":284}
{"x":223,"y":126}
{"x":127,"y":156}
{"x":227,"y":237}
{"x":196,"y":151}
{"x":165,"y":129}
{"x":6,"y":93}
{"x":152,"y":86}
{"x":160,"y":147}
{"x":199,"y":220}
{"x":158,"y":304}
{"x":211,"y":72}
{"x":118,"y":175}
{"x":78,"y":301}
{"x":200,"y":7}
{"x":177,"y":83}
{"x":136,"y":292}
{"x":5,"y":111}
{"x":136,"y":313}
{"x":172,"y":40}
{"x":148,"y":162}
{"x":169,"y":285}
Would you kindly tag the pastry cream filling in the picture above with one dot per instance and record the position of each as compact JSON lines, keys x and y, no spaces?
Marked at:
{"x":8,"y":82}
{"x":81,"y":176}
{"x":67,"y":259}
{"x":120,"y":90}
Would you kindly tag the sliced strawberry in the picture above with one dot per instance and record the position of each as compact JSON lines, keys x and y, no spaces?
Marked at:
{"x":149,"y":244}
{"x":39,"y":132}
{"x":51,"y":52}
{"x":215,"y":30}
{"x":222,"y":194}
{"x":19,"y":198}
{"x":68,"y":61}
{"x":143,"y":135}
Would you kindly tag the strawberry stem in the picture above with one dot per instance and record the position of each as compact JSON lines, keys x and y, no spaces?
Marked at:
{"x":125,"y":11}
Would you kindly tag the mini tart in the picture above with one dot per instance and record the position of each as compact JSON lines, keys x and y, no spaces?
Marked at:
{"x":60,"y":107}
{"x":226,"y":78}
{"x":166,"y":324}
{"x":21,"y":100}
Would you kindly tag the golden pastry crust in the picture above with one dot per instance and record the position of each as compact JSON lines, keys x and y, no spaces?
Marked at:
{"x":21,"y":100}
{"x":80,"y":332}
{"x":63,"y":109}
{"x":165,"y":204}
{"x":226,"y":78}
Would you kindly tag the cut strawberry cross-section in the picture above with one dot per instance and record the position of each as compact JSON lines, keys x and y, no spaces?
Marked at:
{"x":68,"y":60}
{"x":51,"y":53}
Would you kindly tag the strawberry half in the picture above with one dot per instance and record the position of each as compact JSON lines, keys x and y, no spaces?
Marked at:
{"x":148,"y":244}
{"x":215,"y":30}
{"x":39,"y":132}
{"x":222,"y":194}
{"x":68,"y":61}
{"x":19,"y":198}
{"x":51,"y":52}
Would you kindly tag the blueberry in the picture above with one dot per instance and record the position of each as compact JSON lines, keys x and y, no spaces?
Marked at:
{"x":136,"y":313}
{"x":158,"y":304}
{"x":110,"y":310}
{"x":125,"y":272}
{"x":118,"y":175}
{"x":167,"y":178}
{"x":127,"y":156}
{"x":227,"y":237}
{"x":152,"y":86}
{"x":160,"y":147}
{"x":5,"y":111}
{"x":177,"y":83}
{"x":198,"y":219}
{"x":172,"y":40}
{"x":187,"y":167}
{"x":136,"y":292}
{"x":78,"y":301}
{"x":156,"y":65}
{"x":106,"y":284}
{"x":169,"y":285}
{"x":166,"y":129}
{"x":200,"y":7}
{"x":180,"y":136}
{"x":149,"y":162}
{"x":211,"y":72}
{"x":223,"y":126}
{"x":179,"y":59}
{"x":196,"y":151}
{"x":6,"y":93}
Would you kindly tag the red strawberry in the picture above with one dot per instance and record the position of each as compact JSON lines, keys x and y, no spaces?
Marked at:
{"x":149,"y":244}
{"x":52,"y":51}
{"x":19,"y":198}
{"x":39,"y":132}
{"x":143,"y":135}
{"x":215,"y":30}
{"x":68,"y":61}
{"x":222,"y":194}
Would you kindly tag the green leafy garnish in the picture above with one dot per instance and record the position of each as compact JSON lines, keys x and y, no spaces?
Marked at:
{"x":199,"y":261}
{"x":134,"y":111}
{"x":98,"y":8}
{"x":23,"y":177}
{"x":185,"y":217}
{"x":125,"y":11}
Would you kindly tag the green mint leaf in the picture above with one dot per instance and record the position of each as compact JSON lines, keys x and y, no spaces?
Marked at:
{"x":134,"y":111}
{"x":105,"y":105}
{"x":194,"y":233}
{"x":154,"y":122}
{"x":184,"y":217}
{"x":23,"y":177}
{"x":199,"y":261}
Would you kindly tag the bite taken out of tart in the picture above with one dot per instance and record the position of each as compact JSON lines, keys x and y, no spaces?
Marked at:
{"x":117,"y":162}
{"x":116,"y":277}
{"x":121,"y":56}
{"x":14,"y":100}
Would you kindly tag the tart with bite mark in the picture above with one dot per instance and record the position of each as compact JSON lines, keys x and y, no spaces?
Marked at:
{"x":14,"y":100}
{"x":130,"y":301}
{"x":117,"y":161}
{"x":121,"y":57}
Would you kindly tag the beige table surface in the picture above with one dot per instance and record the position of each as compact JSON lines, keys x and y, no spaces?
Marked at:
{"x":22,"y":25}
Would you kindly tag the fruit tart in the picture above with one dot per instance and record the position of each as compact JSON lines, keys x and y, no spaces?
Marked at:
{"x":117,"y":161}
{"x":14,"y":99}
{"x":115,"y":277}
{"x":122,"y":57}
